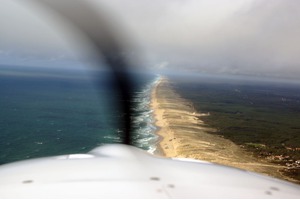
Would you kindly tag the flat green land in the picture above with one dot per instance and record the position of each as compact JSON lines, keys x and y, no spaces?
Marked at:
{"x":262,"y":117}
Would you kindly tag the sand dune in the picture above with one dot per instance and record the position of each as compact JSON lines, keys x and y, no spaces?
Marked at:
{"x":184,"y":135}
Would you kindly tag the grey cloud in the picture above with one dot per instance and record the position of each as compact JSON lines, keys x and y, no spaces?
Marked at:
{"x":237,"y":37}
{"x":259,"y":37}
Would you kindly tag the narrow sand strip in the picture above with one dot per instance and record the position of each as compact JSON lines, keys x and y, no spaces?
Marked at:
{"x":184,"y":135}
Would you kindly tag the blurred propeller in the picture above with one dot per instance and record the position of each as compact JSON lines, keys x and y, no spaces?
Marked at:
{"x":96,"y":28}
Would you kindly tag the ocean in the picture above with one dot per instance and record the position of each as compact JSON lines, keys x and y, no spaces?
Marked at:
{"x":56,"y":112}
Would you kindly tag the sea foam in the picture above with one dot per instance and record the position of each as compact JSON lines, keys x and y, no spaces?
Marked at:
{"x":143,"y":120}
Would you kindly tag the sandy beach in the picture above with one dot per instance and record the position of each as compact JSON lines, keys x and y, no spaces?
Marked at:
{"x":184,"y":135}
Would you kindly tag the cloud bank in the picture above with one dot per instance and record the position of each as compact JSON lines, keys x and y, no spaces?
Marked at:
{"x":255,"y":37}
{"x":236,"y":37}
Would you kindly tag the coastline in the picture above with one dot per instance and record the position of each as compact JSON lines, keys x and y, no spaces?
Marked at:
{"x":183,"y":135}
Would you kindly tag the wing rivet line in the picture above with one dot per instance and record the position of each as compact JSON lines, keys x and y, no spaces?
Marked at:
{"x":268,"y":192}
{"x":274,"y":188}
{"x":27,"y":181}
{"x":154,"y":179}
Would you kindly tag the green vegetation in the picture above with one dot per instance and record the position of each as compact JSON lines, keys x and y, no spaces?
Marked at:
{"x":262,"y":118}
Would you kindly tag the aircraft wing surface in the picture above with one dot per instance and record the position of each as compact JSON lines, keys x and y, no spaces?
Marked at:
{"x":121,"y":171}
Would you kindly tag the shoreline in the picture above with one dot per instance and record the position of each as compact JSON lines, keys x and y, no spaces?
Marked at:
{"x":183,"y":135}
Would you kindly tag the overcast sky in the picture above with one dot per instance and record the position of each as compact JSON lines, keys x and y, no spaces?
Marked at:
{"x":258,"y":37}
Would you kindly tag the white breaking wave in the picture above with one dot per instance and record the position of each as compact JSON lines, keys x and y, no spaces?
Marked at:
{"x":143,"y":120}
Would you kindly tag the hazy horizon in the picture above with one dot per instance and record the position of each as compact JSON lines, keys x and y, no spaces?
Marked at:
{"x":256,"y":38}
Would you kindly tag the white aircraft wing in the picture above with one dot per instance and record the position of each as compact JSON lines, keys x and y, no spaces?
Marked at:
{"x":121,"y":171}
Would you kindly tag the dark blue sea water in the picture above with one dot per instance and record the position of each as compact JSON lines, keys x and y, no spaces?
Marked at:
{"x":58,"y":112}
